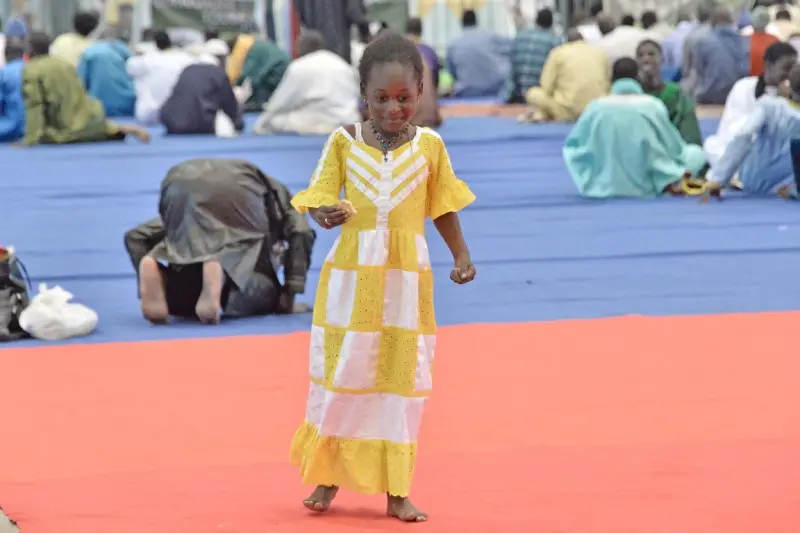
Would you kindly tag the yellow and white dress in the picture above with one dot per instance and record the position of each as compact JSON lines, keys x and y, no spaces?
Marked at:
{"x":373,"y":333}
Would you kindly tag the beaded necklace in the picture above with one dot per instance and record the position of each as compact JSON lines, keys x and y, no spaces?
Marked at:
{"x":386,"y":142}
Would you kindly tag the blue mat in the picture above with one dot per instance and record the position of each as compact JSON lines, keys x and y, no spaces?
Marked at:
{"x":542,"y":252}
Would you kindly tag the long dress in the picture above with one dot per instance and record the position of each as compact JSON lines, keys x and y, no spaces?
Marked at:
{"x":373,"y":334}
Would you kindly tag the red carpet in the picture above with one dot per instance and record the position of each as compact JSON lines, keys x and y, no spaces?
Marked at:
{"x":629,"y":425}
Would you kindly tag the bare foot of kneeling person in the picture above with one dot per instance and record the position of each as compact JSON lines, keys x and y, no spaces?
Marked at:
{"x":151,"y":292}
{"x":209,"y":305}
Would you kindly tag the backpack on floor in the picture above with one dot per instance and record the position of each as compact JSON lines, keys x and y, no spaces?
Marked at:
{"x":14,"y":296}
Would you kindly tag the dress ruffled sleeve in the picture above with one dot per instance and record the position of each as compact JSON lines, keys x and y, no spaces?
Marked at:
{"x":326,"y":183}
{"x":446,"y":193}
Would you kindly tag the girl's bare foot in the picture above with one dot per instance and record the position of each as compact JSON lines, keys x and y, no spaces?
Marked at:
{"x":209,"y":308}
{"x":321,"y":499}
{"x":403,"y":509}
{"x":151,"y":292}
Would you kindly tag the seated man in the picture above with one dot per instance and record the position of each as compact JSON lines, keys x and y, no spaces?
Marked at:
{"x":225,"y":228}
{"x":58,"y":109}
{"x":155,"y":75}
{"x":574,"y":74}
{"x":760,"y":150}
{"x":202,"y":91}
{"x":680,"y":106}
{"x":778,"y":61}
{"x":102,"y":69}
{"x":478,"y":59}
{"x":12,"y":106}
{"x":260,"y":61}
{"x":625,"y":146}
{"x":721,"y":57}
{"x":318,"y":93}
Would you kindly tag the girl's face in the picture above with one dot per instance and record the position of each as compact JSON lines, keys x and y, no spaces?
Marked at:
{"x":392,"y":93}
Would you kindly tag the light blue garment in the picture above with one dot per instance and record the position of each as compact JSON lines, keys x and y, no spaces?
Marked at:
{"x":722,"y":58}
{"x":12,"y":106}
{"x":674,"y":42}
{"x":760,"y":151}
{"x":624,"y":145}
{"x":479,"y":61}
{"x":102,"y":70}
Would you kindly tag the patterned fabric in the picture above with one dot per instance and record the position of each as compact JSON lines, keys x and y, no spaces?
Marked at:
{"x":529,"y":52}
{"x":373,"y":334}
{"x":58,"y":109}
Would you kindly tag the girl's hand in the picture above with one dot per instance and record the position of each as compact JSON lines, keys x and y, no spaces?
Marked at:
{"x":329,"y":216}
{"x":464,"y":271}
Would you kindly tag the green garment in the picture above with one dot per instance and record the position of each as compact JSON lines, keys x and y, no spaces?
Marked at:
{"x":681,"y":111}
{"x":58,"y":108}
{"x":264,"y":66}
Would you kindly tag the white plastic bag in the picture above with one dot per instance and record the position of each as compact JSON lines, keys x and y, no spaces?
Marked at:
{"x":224,"y":126}
{"x":51,"y":317}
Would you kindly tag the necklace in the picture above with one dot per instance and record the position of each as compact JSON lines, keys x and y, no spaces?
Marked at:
{"x":386,"y":142}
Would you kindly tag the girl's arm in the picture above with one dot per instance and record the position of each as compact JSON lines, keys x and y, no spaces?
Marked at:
{"x":449,"y":228}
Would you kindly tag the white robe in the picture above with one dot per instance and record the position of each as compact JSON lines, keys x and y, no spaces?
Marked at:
{"x":154,"y":76}
{"x":318,"y":94}
{"x":622,"y":42}
{"x":738,"y":107}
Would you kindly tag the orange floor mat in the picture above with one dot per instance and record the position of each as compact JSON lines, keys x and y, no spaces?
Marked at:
{"x":627,"y":425}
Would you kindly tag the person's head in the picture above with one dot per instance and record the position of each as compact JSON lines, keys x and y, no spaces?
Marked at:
{"x":722,"y":17}
{"x":761,"y":19}
{"x":684,"y":15}
{"x":627,"y":20}
{"x":85,"y":22}
{"x":38,"y":44}
{"x":573,"y":34}
{"x":211,"y":34}
{"x":649,"y":19}
{"x":783,"y":14}
{"x":15,"y":49}
{"x":310,"y":41}
{"x":703,"y":14}
{"x":162,"y":40}
{"x":605,"y":23}
{"x":414,"y":27}
{"x":596,"y":9}
{"x":147,"y":35}
{"x":794,"y":82}
{"x":392,"y":74}
{"x":779,"y":58}
{"x":469,"y":19}
{"x":544,"y":19}
{"x":16,"y":27}
{"x":648,"y":58}
{"x":625,"y":69}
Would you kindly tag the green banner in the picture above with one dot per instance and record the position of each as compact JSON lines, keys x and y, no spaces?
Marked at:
{"x":223,"y":15}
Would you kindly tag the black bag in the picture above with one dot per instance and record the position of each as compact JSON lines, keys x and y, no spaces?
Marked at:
{"x":14,"y":297}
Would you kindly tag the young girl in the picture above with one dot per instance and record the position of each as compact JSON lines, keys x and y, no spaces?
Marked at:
{"x":372,"y":342}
